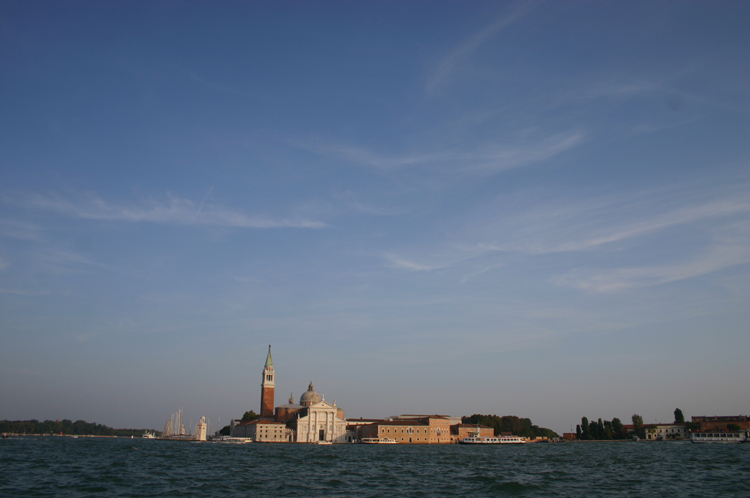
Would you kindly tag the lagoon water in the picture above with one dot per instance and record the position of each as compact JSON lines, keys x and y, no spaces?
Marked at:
{"x":67,"y":467}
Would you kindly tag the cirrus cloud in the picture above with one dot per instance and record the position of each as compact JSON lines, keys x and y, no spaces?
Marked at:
{"x":172,"y":210}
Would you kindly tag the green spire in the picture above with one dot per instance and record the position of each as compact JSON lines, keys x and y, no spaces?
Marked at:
{"x":269,"y":360}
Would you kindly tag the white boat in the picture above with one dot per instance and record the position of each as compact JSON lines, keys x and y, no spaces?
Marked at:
{"x":149,"y":435}
{"x":324,"y":442}
{"x":492,"y":440}
{"x":377,"y":440}
{"x":476,"y":438}
{"x":719,"y":437}
{"x":232,"y":440}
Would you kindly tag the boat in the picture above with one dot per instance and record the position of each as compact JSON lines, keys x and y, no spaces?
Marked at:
{"x":492,"y":440}
{"x":232,"y":440}
{"x":174,"y":429}
{"x":149,"y":435}
{"x":719,"y":437}
{"x":476,"y":438}
{"x":377,"y":440}
{"x":324,"y":442}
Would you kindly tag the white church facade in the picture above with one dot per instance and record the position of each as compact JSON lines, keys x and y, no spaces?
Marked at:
{"x":321,"y":421}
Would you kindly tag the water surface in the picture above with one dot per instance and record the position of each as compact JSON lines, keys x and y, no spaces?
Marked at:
{"x":67,"y":467}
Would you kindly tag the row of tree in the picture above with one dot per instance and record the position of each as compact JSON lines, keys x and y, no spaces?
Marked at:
{"x":510,"y":423}
{"x":598,"y":430}
{"x":66,"y":427}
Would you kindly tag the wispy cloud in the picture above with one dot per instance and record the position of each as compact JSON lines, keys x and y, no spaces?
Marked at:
{"x":594,"y":223}
{"x":21,"y":292}
{"x":716,"y":219}
{"x":487,"y":158}
{"x":456,"y":56}
{"x":618,"y":89}
{"x":20,"y":230}
{"x":718,"y":258}
{"x":479,"y":272}
{"x":398,"y":262}
{"x":354,"y":202}
{"x":172,"y":210}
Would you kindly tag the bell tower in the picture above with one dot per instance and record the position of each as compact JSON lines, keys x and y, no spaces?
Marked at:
{"x":267,"y":388}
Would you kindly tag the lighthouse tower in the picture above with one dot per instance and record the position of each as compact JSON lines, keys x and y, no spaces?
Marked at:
{"x":267,"y":388}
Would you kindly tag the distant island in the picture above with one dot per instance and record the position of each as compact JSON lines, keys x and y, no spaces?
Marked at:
{"x":65,"y":427}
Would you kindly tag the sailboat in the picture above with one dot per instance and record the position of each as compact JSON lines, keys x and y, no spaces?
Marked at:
{"x":174,"y":429}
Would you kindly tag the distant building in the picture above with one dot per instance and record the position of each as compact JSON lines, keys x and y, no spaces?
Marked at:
{"x":666,"y":431}
{"x":451,"y":420}
{"x":460,"y":431}
{"x":424,"y":430}
{"x":719,"y":424}
{"x":262,"y":431}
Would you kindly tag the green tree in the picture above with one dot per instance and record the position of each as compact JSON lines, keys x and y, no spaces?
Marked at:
{"x":510,"y":423}
{"x":617,"y":428}
{"x":585,"y":429}
{"x":679,"y":418}
{"x":250,"y":416}
{"x":225,"y":430}
{"x":637,"y":424}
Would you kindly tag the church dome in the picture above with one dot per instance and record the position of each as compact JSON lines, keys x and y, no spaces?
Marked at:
{"x":310,"y":397}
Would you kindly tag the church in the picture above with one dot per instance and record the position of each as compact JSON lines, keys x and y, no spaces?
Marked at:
{"x":312,"y":420}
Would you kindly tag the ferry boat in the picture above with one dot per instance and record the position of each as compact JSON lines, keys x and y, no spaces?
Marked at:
{"x":377,"y":440}
{"x":719,"y":437}
{"x":232,"y":440}
{"x":475,"y":438}
{"x":149,"y":435}
{"x":492,"y":440}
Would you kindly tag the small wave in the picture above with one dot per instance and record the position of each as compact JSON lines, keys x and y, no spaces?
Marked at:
{"x":513,"y":487}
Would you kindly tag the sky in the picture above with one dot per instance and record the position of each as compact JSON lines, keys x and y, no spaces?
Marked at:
{"x":538,"y":209}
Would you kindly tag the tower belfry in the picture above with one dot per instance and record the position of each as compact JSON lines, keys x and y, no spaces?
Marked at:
{"x":267,"y":388}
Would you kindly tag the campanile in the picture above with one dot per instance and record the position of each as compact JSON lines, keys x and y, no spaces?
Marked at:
{"x":267,"y":388}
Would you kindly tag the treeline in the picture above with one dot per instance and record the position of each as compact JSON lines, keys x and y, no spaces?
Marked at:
{"x":510,"y":423}
{"x":66,"y":427}
{"x":598,"y":430}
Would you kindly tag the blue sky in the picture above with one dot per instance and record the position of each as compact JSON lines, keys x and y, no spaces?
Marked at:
{"x":538,"y":209}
